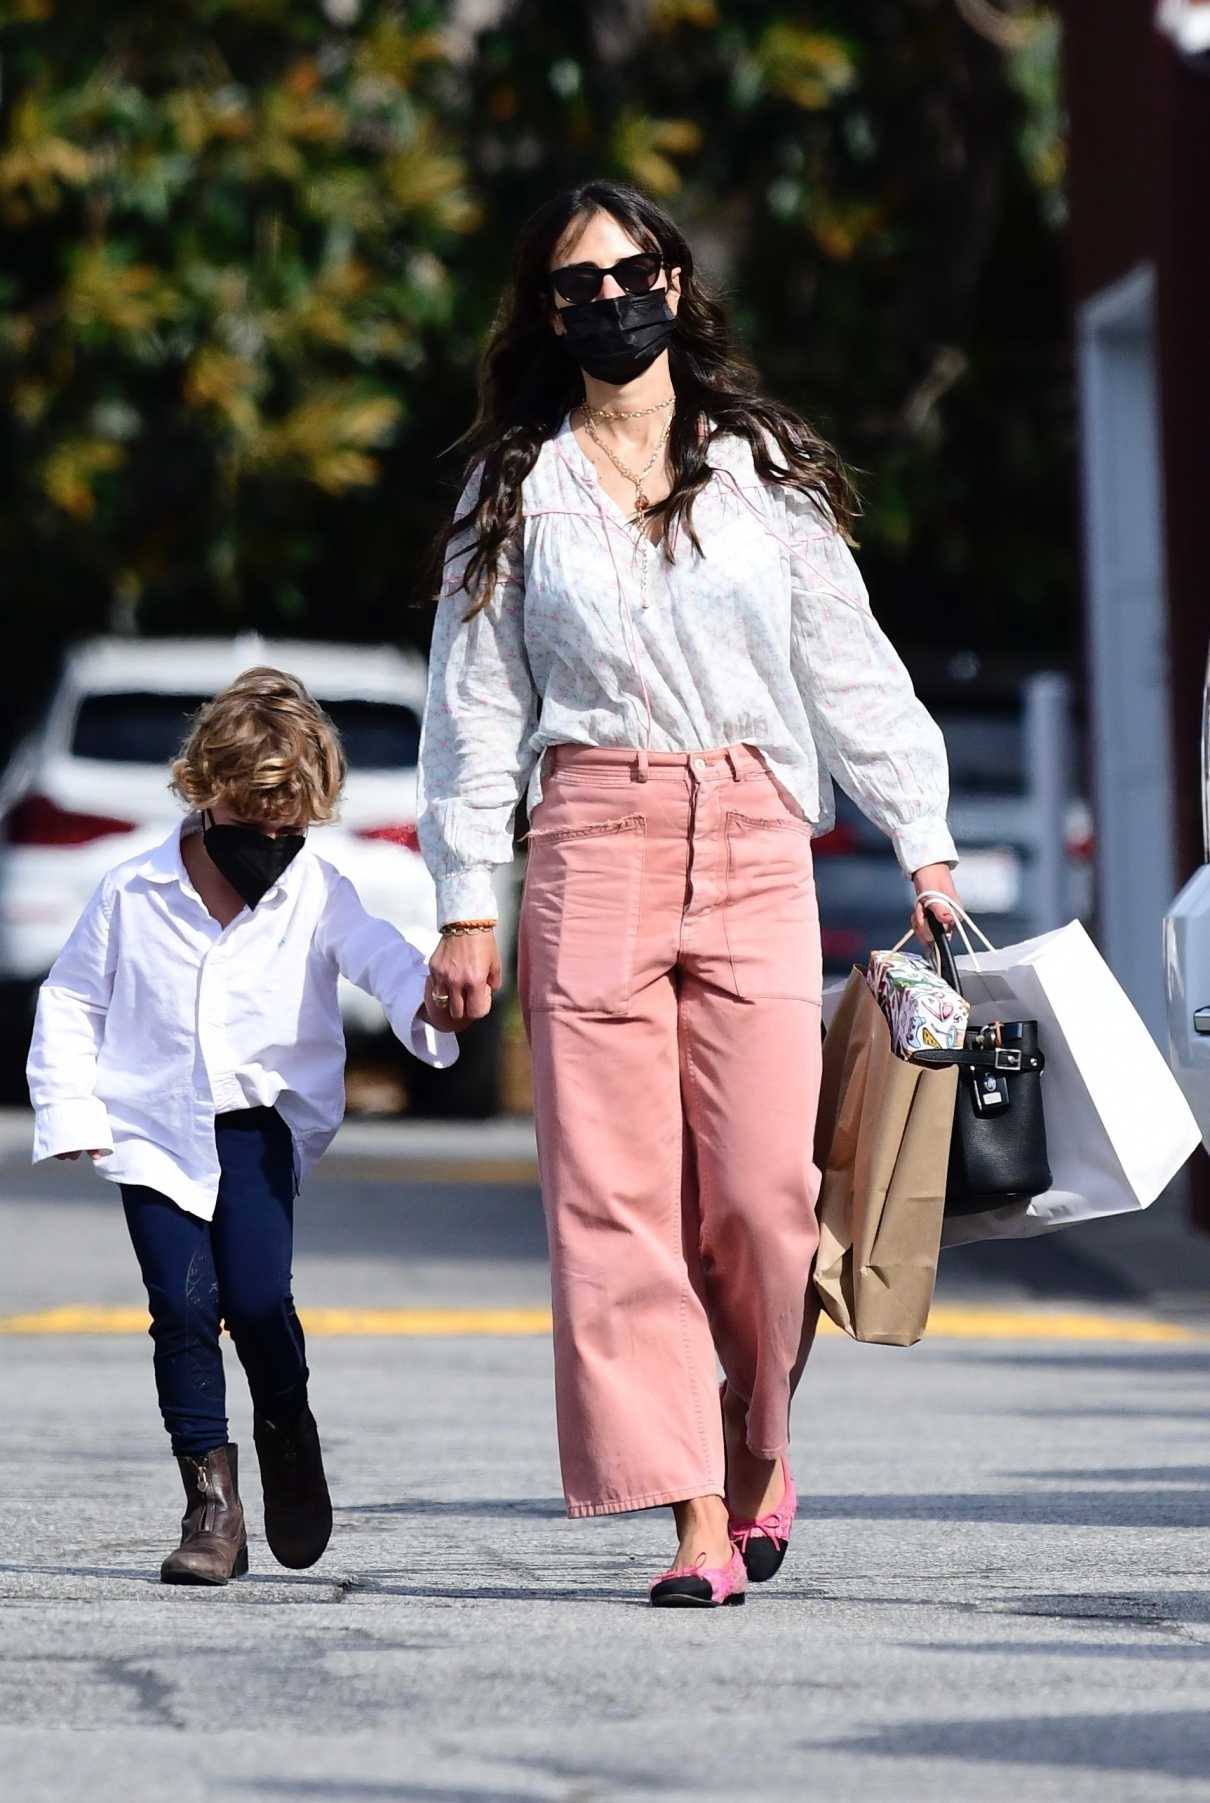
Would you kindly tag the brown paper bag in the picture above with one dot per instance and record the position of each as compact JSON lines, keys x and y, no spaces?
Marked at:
{"x":882,"y":1146}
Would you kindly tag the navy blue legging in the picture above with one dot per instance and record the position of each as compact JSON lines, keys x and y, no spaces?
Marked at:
{"x":233,"y":1270}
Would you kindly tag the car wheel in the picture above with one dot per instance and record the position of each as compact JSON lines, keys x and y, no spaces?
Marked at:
{"x":468,"y":1092}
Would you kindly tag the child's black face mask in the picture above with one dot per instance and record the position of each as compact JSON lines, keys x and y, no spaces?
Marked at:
{"x":250,"y":860}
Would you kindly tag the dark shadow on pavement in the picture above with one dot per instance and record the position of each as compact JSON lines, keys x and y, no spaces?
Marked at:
{"x":1111,"y":1413}
{"x":489,"y":1507}
{"x":1123,"y":1474}
{"x":1142,"y":1361}
{"x":1177,"y":1508}
{"x":150,"y":1575}
{"x":355,"y":1790}
{"x":498,"y":1593}
{"x":84,"y":1571}
{"x":1162,"y":1743}
{"x":1151,"y":1609}
{"x":1046,"y":1266}
{"x":1066,"y":1649}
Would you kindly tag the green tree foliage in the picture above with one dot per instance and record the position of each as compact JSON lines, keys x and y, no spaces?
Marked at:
{"x":879,"y":188}
{"x":251,"y":248}
{"x":227,"y":226}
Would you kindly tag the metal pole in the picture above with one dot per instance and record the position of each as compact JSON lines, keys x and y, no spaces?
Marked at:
{"x":1048,"y":768}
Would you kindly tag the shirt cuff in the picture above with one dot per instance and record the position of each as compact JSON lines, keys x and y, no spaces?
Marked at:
{"x":417,"y":1034}
{"x":467,"y":895}
{"x":431,"y":1047}
{"x":80,"y":1126}
{"x":922,"y":842}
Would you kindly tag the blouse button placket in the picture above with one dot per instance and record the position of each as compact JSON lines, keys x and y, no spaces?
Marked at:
{"x":648,"y":551}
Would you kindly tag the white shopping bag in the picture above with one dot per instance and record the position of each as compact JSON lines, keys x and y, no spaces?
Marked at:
{"x":832,"y":995}
{"x":1118,"y":1128}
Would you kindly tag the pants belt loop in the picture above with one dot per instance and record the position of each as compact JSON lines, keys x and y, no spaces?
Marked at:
{"x":642,"y":773}
{"x":733,"y":761}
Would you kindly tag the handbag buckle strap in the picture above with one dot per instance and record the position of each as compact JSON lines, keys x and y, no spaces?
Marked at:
{"x":999,"y":1058}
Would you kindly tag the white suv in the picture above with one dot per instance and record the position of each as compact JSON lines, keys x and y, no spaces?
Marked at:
{"x":90,"y":787}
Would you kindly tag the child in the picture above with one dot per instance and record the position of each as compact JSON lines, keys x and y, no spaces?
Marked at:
{"x":189,"y":1039}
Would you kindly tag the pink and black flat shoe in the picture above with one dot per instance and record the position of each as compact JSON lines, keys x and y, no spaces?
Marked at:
{"x":762,"y":1543}
{"x":701,"y":1587}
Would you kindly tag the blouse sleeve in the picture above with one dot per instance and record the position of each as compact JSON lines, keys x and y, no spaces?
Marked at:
{"x":876,"y":737}
{"x":69,"y":1028}
{"x":475,"y":756}
{"x":384,"y":962}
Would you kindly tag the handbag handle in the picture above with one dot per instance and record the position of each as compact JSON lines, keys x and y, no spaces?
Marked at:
{"x":943,"y":951}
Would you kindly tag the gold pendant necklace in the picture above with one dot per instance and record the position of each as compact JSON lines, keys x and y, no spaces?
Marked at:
{"x":638,"y":477}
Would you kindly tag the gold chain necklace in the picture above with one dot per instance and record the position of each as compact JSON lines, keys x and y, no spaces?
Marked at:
{"x":638,"y":477}
{"x":621,"y":413}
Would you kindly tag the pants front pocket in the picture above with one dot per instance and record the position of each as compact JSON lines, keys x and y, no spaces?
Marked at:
{"x":580,"y":920}
{"x":771,"y":913}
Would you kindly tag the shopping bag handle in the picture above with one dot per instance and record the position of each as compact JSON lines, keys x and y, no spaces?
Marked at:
{"x":942,"y":953}
{"x":962,"y":919}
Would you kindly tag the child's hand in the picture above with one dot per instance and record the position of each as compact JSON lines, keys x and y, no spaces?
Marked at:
{"x":95,"y":1152}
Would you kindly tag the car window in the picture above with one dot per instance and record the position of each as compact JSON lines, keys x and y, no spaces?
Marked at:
{"x":378,"y":735}
{"x":143,"y":728}
{"x":132,"y":728}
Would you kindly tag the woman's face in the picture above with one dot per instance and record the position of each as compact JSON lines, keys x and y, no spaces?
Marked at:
{"x":598,"y":238}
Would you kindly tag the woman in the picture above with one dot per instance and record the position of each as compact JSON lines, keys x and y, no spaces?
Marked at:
{"x":651,"y":624}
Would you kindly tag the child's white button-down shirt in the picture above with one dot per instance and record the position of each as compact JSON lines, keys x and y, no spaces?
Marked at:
{"x":155,"y":1018}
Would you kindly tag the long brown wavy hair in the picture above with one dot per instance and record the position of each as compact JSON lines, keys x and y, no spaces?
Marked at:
{"x":528,"y":384}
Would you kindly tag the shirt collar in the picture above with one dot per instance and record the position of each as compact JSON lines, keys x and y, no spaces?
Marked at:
{"x":164,"y":863}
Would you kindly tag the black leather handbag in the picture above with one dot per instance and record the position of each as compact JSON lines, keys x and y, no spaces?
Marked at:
{"x":998,"y":1151}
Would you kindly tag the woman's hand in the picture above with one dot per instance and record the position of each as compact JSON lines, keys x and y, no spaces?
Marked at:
{"x":932,"y":876}
{"x":94,"y":1154}
{"x":464,"y":975}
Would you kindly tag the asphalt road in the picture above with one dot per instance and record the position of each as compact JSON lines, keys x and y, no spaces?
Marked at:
{"x":999,"y":1585}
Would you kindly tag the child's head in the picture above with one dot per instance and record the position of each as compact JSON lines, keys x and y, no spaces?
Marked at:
{"x":263,"y":751}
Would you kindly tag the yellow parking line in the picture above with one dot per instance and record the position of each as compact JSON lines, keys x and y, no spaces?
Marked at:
{"x":949,"y":1321}
{"x":334,"y":1323}
{"x":339,"y":1323}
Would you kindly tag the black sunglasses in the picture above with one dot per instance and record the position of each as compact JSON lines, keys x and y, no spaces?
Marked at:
{"x":580,"y":282}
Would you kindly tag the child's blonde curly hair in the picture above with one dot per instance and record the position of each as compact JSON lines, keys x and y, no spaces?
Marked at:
{"x":264,"y":748}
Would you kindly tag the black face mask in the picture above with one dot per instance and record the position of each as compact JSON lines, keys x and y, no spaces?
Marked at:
{"x":250,"y":860}
{"x":616,"y":340}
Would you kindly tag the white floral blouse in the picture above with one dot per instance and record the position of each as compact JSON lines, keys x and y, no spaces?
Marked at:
{"x":594,"y":638}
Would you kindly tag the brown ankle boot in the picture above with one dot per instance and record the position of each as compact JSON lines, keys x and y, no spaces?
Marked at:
{"x":298,"y":1509}
{"x":214,"y":1544}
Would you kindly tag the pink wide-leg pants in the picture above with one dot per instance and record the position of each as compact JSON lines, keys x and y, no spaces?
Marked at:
{"x":670,"y":980}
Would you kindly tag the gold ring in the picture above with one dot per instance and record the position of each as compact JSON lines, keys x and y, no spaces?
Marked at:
{"x":440,"y":1000}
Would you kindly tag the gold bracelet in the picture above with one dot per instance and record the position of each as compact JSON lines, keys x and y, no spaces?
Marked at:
{"x":453,"y":929}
